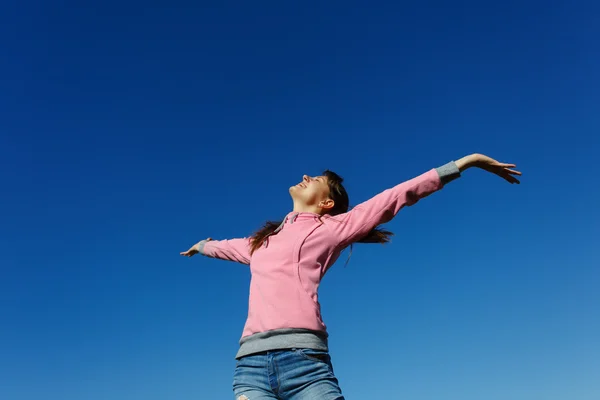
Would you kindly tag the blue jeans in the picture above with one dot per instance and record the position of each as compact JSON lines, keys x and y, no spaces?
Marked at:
{"x":296,"y":374}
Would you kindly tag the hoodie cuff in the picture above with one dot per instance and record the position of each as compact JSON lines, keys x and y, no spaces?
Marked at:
{"x":201,"y":247}
{"x":448,"y":172}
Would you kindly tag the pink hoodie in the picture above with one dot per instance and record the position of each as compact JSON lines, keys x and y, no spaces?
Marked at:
{"x":287,"y":270}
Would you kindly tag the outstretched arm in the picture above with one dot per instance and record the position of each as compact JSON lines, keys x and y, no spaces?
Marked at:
{"x":355,"y":224}
{"x":237,"y":250}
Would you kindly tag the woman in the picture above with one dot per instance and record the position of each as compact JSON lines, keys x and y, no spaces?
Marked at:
{"x":283,"y":350}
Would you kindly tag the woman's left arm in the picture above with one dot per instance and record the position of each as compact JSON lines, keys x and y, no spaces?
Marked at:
{"x":351,"y":226}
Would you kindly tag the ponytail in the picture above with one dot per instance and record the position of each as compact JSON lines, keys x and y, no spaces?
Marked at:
{"x":259,"y":237}
{"x":377,"y":235}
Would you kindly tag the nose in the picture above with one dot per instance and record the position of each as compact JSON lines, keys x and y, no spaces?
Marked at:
{"x":305,"y":178}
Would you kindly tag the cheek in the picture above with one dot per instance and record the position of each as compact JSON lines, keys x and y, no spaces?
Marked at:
{"x":311,"y":196}
{"x":318,"y":194}
{"x":324,"y":192}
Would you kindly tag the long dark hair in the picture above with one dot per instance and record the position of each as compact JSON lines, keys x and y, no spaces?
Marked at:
{"x":338,"y":194}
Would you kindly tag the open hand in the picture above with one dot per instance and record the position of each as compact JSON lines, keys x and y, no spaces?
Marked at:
{"x":195,"y":249}
{"x":505,"y":171}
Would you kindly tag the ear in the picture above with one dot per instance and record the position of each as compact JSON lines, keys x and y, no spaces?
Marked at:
{"x":327,"y":204}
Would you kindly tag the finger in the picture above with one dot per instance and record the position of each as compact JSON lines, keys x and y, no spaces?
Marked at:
{"x":504,"y":165}
{"x":512,"y":179}
{"x":508,"y":177}
{"x":513,"y":172}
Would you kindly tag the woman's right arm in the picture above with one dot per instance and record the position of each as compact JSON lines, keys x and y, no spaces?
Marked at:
{"x":237,"y":250}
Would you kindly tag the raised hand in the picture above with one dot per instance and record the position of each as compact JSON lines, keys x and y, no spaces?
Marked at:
{"x":503,"y":170}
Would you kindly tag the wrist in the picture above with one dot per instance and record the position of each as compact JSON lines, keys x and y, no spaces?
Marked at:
{"x":468,"y":161}
{"x":200,"y":245}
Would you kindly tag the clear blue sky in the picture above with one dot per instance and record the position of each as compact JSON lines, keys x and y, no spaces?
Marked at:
{"x":130,"y":130}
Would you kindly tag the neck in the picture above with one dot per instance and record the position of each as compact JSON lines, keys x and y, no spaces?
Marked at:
{"x":303,"y":208}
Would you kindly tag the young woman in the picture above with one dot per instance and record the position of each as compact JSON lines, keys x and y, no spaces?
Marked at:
{"x":283,"y":350}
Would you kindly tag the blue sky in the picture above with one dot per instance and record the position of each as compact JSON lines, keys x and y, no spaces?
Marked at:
{"x":130,"y":130}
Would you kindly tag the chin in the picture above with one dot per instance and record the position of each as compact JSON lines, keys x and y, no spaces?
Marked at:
{"x":294,"y":192}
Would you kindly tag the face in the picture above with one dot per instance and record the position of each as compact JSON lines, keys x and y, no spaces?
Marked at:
{"x":311,"y":192}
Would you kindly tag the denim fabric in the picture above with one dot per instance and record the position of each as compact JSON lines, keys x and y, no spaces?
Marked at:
{"x":295,"y":374}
